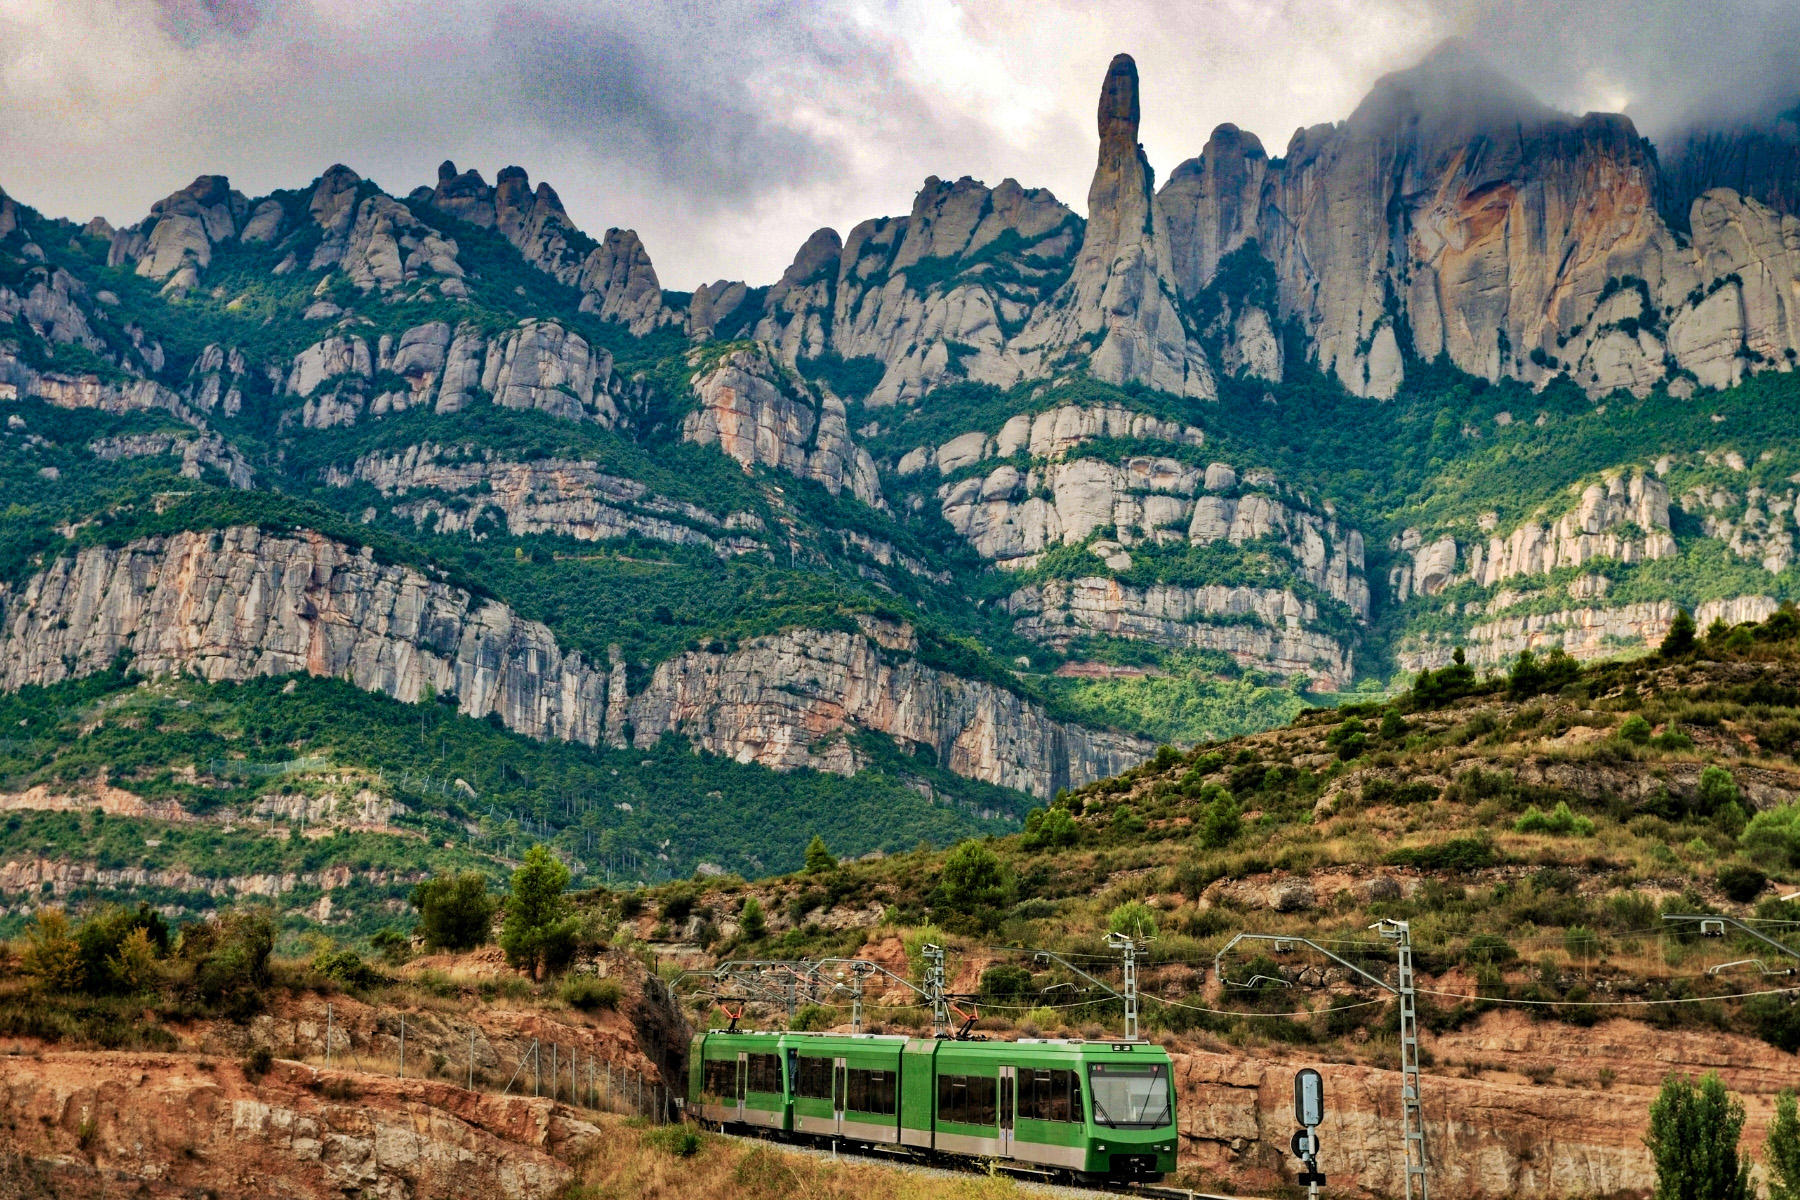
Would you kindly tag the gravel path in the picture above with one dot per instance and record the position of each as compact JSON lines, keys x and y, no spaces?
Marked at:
{"x":1026,"y":1183}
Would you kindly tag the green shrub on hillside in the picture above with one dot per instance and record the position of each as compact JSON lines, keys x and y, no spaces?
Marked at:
{"x":455,"y":911}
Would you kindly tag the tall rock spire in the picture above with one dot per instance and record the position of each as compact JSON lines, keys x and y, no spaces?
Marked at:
{"x":1123,"y":285}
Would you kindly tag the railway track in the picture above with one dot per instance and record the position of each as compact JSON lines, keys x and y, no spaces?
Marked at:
{"x":1038,"y":1181}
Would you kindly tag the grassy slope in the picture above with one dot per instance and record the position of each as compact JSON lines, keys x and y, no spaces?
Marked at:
{"x":1435,"y":805}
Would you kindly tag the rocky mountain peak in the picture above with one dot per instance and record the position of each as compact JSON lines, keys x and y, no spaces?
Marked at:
{"x":465,"y":195}
{"x":1119,"y":111}
{"x":1123,"y":285}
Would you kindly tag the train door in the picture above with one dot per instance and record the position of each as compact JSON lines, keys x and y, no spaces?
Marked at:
{"x":1009,"y":1090}
{"x":743,"y":1079}
{"x":840,"y":1088}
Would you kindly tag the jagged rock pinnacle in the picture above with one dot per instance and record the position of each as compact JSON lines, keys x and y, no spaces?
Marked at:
{"x":1119,"y":102}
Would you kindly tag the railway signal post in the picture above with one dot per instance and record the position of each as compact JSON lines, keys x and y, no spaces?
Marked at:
{"x":1309,"y":1114}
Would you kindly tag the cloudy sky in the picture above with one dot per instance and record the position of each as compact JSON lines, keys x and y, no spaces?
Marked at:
{"x":726,"y":131}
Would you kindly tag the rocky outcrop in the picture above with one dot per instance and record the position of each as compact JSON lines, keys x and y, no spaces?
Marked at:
{"x":1121,"y":298}
{"x":54,"y":305}
{"x":1622,"y":519}
{"x":761,"y":413}
{"x":216,"y":380}
{"x":1517,"y":241}
{"x":1262,"y":628}
{"x":1049,"y":434}
{"x":466,"y":491}
{"x":206,"y":450}
{"x":620,"y":284}
{"x":376,"y":240}
{"x":171,"y":1124}
{"x":237,"y":603}
{"x":787,"y":701}
{"x":936,"y":295}
{"x":536,"y":365}
{"x":1758,"y":525}
{"x":88,"y":391}
{"x":1582,"y":633}
{"x":1013,"y":516}
{"x":175,"y":242}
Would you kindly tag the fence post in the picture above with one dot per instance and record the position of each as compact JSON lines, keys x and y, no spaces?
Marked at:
{"x":537,"y":1068}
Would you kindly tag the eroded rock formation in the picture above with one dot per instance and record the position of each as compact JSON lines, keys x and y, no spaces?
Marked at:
{"x":237,"y":603}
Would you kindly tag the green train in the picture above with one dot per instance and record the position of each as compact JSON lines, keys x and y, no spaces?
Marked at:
{"x":1094,"y":1110}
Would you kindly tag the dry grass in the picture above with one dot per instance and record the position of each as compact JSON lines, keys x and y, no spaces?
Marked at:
{"x":649,"y":1164}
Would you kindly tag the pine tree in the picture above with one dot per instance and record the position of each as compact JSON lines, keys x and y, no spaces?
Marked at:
{"x":1781,"y":1153}
{"x":1680,"y":638}
{"x":750,"y":920}
{"x":1693,"y":1140}
{"x":539,"y":933}
{"x":818,"y":858}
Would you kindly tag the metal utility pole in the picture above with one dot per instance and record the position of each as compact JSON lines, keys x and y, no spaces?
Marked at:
{"x":1411,"y":1110}
{"x":934,"y":990}
{"x":1130,"y":946}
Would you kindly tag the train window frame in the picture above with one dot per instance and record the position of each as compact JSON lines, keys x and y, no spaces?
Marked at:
{"x":715,"y":1071}
{"x":1051,"y":1094}
{"x":756,"y":1073}
{"x":812,"y":1077}
{"x":871,"y":1091}
{"x":1123,"y":1071}
{"x":968,"y":1099}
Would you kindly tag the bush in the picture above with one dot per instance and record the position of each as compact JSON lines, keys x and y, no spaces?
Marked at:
{"x":1677,"y":642}
{"x":1635,"y":730}
{"x":751,"y":922}
{"x":1693,"y":1141}
{"x":1134,"y":918}
{"x":974,"y":883}
{"x":1490,"y":949}
{"x":108,"y":964}
{"x":1048,"y":829}
{"x":230,"y":957}
{"x":1005,"y":981}
{"x":1456,"y":854}
{"x":539,"y":933}
{"x":346,"y":967}
{"x":52,"y":957}
{"x":1221,"y":821}
{"x":1559,"y":820}
{"x":1716,"y":790}
{"x":814,"y":1018}
{"x":1740,"y":882}
{"x":257,"y":1063}
{"x":590,"y":994}
{"x":455,"y":911}
{"x":1773,"y":836}
{"x":1781,"y":1153}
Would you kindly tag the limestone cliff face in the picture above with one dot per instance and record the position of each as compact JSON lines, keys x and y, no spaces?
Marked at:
{"x":1123,"y":288}
{"x":206,"y":450}
{"x":760,"y":413}
{"x":376,"y":240}
{"x":1584,"y":632}
{"x":175,"y":242}
{"x":1624,"y":518}
{"x":461,"y":491}
{"x":1518,"y":241}
{"x":237,"y":603}
{"x":1757,"y":525}
{"x":535,"y":365}
{"x":1264,"y":628}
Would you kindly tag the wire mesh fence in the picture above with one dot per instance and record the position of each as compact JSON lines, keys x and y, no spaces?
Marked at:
{"x":543,"y":1069}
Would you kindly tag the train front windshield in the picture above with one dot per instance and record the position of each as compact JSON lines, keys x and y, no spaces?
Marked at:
{"x":1130,"y":1097}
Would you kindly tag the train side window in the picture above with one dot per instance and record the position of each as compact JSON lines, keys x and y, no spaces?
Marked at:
{"x":764,"y":1071}
{"x":812,"y":1079}
{"x":721,"y":1077}
{"x":1049,"y":1095}
{"x":871,"y":1092}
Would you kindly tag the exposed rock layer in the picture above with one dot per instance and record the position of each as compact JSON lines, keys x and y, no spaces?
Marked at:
{"x":234,"y":604}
